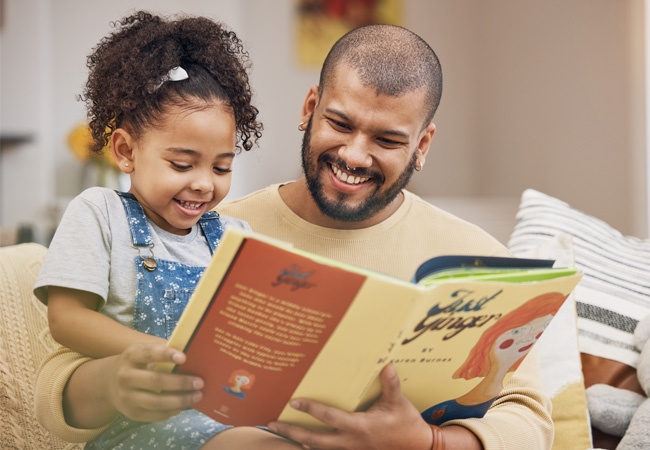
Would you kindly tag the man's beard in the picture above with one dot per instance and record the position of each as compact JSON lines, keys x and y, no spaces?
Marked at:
{"x":337,"y":209}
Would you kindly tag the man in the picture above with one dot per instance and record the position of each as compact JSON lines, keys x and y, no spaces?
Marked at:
{"x":368,"y":127}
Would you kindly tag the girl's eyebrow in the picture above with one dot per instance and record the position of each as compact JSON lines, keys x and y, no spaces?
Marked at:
{"x":182,"y":151}
{"x":195,"y":154}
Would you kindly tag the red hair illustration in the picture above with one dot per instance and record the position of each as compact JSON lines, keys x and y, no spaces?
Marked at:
{"x":478,"y":362}
{"x":233,"y":380}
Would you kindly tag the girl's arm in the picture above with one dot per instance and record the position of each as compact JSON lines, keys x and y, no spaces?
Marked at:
{"x":75,"y":323}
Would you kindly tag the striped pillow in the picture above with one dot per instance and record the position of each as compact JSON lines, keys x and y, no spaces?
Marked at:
{"x":614,"y":293}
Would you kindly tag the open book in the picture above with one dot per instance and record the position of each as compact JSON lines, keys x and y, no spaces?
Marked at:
{"x":268,"y":323}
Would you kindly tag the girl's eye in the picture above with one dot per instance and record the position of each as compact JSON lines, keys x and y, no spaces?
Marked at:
{"x":222,"y":169}
{"x":180,"y":166}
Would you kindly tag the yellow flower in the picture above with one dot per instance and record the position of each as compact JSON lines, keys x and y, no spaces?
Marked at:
{"x":80,"y":142}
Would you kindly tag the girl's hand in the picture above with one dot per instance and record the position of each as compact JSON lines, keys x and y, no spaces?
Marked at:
{"x":100,"y":389}
{"x":141,"y":394}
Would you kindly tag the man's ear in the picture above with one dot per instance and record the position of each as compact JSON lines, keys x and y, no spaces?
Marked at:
{"x":425,"y":141}
{"x":309,"y":105}
{"x":122,"y":149}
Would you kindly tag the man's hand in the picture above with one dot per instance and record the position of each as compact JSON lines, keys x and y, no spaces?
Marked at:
{"x":391,"y":423}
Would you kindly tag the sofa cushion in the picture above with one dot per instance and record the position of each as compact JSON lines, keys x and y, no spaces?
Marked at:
{"x":24,"y":342}
{"x":562,"y":378}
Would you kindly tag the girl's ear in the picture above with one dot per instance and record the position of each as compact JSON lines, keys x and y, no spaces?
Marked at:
{"x":122,"y":149}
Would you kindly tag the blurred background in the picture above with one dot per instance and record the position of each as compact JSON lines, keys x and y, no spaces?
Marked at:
{"x":544,"y":94}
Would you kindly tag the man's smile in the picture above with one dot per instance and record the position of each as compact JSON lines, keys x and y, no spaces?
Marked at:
{"x":347,"y":177}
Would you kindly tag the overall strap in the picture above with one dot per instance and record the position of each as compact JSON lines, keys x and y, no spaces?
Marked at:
{"x":140,"y":232}
{"x":212,"y":229}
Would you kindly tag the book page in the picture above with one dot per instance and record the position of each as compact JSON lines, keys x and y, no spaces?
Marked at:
{"x":266,"y":323}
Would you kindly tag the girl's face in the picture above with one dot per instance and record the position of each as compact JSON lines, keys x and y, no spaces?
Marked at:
{"x":242,"y":380}
{"x":182,"y":168}
{"x":517,"y":342}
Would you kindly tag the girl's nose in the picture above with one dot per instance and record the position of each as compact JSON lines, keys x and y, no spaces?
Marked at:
{"x":202,"y":182}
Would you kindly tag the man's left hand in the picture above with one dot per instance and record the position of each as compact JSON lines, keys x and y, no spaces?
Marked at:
{"x":392,"y":422}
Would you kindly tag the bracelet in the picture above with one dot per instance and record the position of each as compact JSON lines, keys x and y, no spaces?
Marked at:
{"x":438,"y":438}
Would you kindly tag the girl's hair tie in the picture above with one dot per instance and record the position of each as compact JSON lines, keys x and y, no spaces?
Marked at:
{"x":175,"y":74}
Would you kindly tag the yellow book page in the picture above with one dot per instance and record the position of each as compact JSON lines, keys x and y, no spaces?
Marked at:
{"x":467,"y":338}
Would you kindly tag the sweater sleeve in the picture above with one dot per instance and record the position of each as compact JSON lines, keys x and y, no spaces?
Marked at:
{"x":521,"y":415}
{"x":52,"y":377}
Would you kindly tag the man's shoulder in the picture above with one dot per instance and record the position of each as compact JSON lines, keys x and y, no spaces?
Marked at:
{"x":252,"y":205}
{"x":423,"y":209}
{"x":438,"y":224}
{"x":255,"y":200}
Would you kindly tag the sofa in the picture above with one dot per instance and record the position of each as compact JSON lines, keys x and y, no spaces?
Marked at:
{"x":577,"y":350}
{"x":24,"y":342}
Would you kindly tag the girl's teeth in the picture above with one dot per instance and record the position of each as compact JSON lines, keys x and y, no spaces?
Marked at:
{"x":189,"y":205}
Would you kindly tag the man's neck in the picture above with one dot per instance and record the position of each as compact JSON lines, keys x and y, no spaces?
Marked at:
{"x":297,"y":197}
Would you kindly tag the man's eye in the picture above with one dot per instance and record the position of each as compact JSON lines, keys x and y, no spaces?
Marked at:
{"x":338,"y":124}
{"x":389,"y":142}
{"x":222,"y":169}
{"x":180,"y":166}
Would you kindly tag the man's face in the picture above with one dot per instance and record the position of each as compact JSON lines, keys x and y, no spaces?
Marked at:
{"x":360,"y":149}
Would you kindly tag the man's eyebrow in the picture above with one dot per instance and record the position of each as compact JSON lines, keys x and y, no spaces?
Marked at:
{"x":396,"y":133}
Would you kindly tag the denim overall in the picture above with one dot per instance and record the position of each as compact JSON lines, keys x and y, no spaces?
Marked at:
{"x":163,"y":288}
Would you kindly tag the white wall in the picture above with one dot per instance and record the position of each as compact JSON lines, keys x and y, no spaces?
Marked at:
{"x":26,"y":170}
{"x":547,"y":94}
{"x":538,"y":93}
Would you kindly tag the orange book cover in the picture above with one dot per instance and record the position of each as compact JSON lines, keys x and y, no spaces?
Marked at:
{"x":268,"y":323}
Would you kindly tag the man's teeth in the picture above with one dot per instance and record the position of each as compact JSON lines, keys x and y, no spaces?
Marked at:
{"x":189,"y":205}
{"x":349,"y":179}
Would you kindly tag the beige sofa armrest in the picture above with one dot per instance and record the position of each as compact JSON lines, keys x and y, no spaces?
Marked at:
{"x":24,"y":342}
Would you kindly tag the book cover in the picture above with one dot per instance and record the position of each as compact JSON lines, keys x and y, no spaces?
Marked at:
{"x":268,"y":323}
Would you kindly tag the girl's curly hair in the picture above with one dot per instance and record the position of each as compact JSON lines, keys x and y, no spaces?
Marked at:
{"x":126,"y":84}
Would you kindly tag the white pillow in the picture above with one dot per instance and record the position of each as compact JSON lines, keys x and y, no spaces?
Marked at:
{"x":559,"y":354}
{"x":614,"y":293}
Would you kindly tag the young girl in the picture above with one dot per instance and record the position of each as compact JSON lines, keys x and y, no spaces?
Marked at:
{"x":172,"y":98}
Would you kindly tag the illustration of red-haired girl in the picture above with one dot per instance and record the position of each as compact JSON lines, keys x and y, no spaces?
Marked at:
{"x":239,"y":379}
{"x":500,"y":349}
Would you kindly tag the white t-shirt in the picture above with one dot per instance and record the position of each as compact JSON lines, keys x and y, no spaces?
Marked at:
{"x":91,"y":251}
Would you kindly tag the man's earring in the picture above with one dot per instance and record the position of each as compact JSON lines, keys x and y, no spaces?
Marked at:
{"x":301,"y":126}
{"x":126,"y":164}
{"x":418,"y":165}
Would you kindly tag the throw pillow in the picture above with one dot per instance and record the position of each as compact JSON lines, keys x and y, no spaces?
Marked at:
{"x":614,"y":293}
{"x":559,"y":355}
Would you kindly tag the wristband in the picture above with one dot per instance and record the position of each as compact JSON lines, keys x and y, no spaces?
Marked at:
{"x":438,"y":438}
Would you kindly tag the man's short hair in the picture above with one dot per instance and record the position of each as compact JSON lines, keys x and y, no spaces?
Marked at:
{"x":390,"y":59}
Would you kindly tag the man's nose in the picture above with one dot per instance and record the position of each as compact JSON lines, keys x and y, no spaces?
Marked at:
{"x":356,"y":151}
